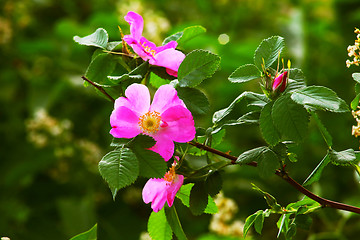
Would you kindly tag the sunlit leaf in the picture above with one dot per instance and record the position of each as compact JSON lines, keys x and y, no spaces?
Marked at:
{"x":158,"y":226}
{"x":119,"y":168}
{"x":316,"y":173}
{"x":290,"y":118}
{"x":245,"y":73}
{"x":268,"y":51}
{"x":97,"y":39}
{"x":197,"y":66}
{"x":319,"y":98}
{"x":267,"y":128}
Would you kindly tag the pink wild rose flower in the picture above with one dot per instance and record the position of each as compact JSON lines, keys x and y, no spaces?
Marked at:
{"x":163,"y":56}
{"x":158,"y":191}
{"x":166,"y":120}
{"x":280,"y":82}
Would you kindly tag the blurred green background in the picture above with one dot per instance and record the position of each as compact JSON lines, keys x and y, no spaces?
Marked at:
{"x":54,"y":131}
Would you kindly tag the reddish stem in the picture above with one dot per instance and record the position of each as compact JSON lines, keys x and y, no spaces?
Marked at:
{"x":284,"y":175}
{"x":99,"y":88}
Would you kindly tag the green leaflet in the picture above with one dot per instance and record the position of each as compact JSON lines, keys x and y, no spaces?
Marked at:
{"x":158,"y":226}
{"x":97,"y":39}
{"x":186,"y":35}
{"x":197,"y":66}
{"x":119,"y":168}
{"x":290,"y":118}
{"x":319,"y":98}
{"x":268,"y":51}
{"x":184,"y":195}
{"x":245,"y":73}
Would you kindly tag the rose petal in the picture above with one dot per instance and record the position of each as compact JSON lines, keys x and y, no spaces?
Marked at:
{"x":181,"y":127}
{"x":155,"y":191}
{"x":138,"y":99}
{"x":164,"y":98}
{"x":124,"y":123}
{"x":163,"y":146}
{"x":169,"y":58}
{"x":171,"y":44}
{"x":174,"y":188}
{"x":136,"y":24}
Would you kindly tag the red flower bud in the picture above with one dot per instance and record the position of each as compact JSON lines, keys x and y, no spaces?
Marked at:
{"x":280,"y":82}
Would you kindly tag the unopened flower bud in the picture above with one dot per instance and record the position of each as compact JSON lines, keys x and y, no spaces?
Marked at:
{"x":280,"y":82}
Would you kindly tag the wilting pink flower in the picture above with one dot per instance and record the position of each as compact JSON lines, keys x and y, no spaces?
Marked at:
{"x":280,"y":82}
{"x":164,"y":56}
{"x":166,"y":120}
{"x":158,"y":191}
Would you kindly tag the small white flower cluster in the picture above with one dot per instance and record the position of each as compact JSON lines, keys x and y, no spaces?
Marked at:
{"x":356,"y":129}
{"x":43,"y":127}
{"x":354,"y":51}
{"x":222,"y":222}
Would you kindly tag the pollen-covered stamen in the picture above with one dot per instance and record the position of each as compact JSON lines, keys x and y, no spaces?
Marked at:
{"x":148,"y":49}
{"x":150,"y":122}
{"x":170,"y":175}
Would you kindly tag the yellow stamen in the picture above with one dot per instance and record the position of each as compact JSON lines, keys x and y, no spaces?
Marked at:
{"x":148,"y":49}
{"x":150,"y":122}
{"x":170,"y":175}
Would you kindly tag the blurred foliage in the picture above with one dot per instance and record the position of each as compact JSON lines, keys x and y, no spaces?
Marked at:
{"x":55,"y":131}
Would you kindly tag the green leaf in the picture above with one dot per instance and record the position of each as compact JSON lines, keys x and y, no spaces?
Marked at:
{"x":267,"y":128}
{"x":356,"y":77}
{"x":157,"y":81}
{"x":186,"y":35}
{"x":289,"y":118}
{"x":250,"y":220}
{"x":354,"y":103}
{"x":174,"y":37}
{"x":184,"y":195}
{"x":253,"y":99}
{"x":213,"y":183}
{"x":158,"y":226}
{"x":270,"y":200}
{"x":136,"y":74}
{"x":151,"y":164}
{"x":88,"y":235}
{"x":119,"y":168}
{"x":268,"y":163}
{"x":198,"y":198}
{"x":269,"y":50}
{"x":296,"y":80}
{"x":100,"y":67}
{"x":316,"y":173}
{"x":320,"y":98}
{"x":248,"y":118}
{"x":306,"y":201}
{"x":291,"y":232}
{"x":259,"y":222}
{"x":119,"y":142}
{"x":113,"y":45}
{"x":326,"y":135}
{"x":194,"y":99}
{"x":97,"y":39}
{"x":173,"y":220}
{"x":251,"y":155}
{"x":245,"y":73}
{"x":343,"y":158}
{"x":197,"y":66}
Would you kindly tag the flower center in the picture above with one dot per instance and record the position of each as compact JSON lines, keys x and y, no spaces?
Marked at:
{"x":150,"y":122}
{"x":170,"y":175}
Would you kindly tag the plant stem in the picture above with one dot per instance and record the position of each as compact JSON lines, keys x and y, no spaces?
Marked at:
{"x":284,"y":175}
{"x":99,"y":88}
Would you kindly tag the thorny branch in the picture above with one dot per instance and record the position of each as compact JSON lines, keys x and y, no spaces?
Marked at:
{"x":284,"y":175}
